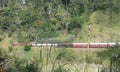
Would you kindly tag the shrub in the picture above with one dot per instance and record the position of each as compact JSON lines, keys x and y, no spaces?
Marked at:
{"x":0,"y":39}
{"x":66,"y":55}
{"x":10,"y":49}
{"x":27,"y":48}
{"x":3,"y":53}
{"x":31,"y":68}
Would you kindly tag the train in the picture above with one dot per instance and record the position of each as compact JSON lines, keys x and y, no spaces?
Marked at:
{"x":18,"y":44}
{"x":77,"y":45}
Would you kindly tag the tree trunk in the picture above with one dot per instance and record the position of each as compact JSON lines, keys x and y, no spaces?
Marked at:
{"x":1,"y":69}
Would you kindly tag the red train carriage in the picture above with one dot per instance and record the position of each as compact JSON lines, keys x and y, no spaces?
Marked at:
{"x":93,"y":45}
{"x":18,"y":44}
{"x":80,"y":45}
{"x":98,"y":45}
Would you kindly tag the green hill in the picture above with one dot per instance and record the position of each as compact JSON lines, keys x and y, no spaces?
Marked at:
{"x":30,"y":21}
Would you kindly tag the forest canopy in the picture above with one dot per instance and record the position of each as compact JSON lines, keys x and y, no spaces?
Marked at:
{"x":35,"y":19}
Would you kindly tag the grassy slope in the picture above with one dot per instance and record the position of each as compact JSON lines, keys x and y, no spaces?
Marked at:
{"x":5,"y":43}
{"x":76,"y":64}
{"x":101,"y":29}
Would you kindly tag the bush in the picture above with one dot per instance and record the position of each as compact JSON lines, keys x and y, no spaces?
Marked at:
{"x":3,"y":53}
{"x":0,"y":39}
{"x":31,"y":68}
{"x":10,"y":49}
{"x":27,"y":48}
{"x":75,"y":23}
{"x":66,"y":55}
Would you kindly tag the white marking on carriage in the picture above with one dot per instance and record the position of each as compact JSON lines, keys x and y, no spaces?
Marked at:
{"x":39,"y":44}
{"x":98,"y":45}
{"x":111,"y":44}
{"x":49,"y":44}
{"x":44,"y":45}
{"x":55,"y":45}
{"x":34,"y":44}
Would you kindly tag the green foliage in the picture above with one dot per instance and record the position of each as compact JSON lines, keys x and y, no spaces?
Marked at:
{"x":60,"y":69}
{"x":49,"y":60}
{"x":54,"y":20}
{"x":49,"y":34}
{"x":66,"y":55}
{"x":10,"y":48}
{"x":0,"y":39}
{"x":27,"y":48}
{"x":3,"y":53}
{"x":31,"y":68}
{"x":66,"y":2}
{"x":107,"y":53}
{"x":46,"y":18}
{"x":75,"y":23}
{"x":112,"y":55}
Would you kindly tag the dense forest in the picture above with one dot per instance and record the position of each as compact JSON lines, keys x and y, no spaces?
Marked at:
{"x":32,"y":20}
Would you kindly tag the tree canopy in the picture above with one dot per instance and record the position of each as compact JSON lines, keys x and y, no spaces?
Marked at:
{"x":47,"y":18}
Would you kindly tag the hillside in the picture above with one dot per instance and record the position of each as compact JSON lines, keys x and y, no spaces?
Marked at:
{"x":31,"y":21}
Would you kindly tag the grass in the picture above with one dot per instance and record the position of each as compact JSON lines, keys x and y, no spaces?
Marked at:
{"x":102,"y":27}
{"x":50,"y":59}
{"x":5,"y":43}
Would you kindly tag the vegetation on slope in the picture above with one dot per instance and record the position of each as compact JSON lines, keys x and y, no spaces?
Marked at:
{"x":61,"y":20}
{"x":32,"y":20}
{"x":47,"y":60}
